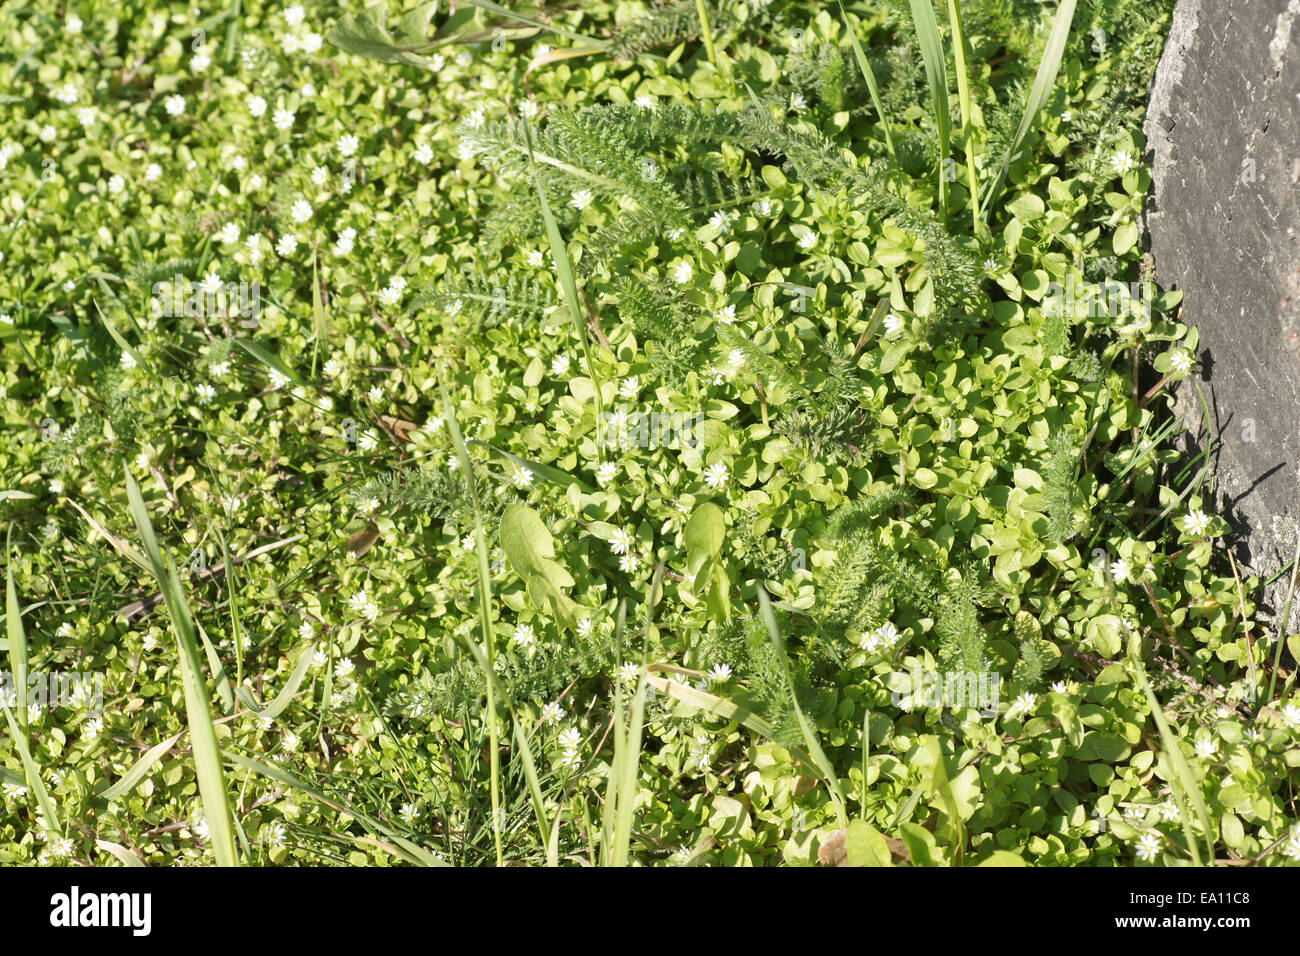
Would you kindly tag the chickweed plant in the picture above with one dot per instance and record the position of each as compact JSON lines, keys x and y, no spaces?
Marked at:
{"x":665,"y":434}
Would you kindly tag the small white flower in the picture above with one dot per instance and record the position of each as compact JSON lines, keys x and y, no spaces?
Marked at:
{"x":893,"y":324}
{"x":798,"y":103}
{"x":521,"y":477}
{"x":200,"y":62}
{"x":1122,"y":162}
{"x":719,"y":674}
{"x":287,"y":245}
{"x":205,"y":392}
{"x":211,"y":283}
{"x":290,"y":741}
{"x":256,"y":106}
{"x":606,"y":472}
{"x":319,"y":177}
{"x":282,"y":118}
{"x":360,"y":603}
{"x":628,"y":563}
{"x":524,"y":636}
{"x":293,"y":15}
{"x":92,"y":728}
{"x":311,"y":43}
{"x":581,"y":199}
{"x":552,"y":714}
{"x":560,"y":366}
{"x":174,"y":105}
{"x":1120,"y":571}
{"x":528,"y":109}
{"x":683,"y":272}
{"x":991,"y":267}
{"x":1024,"y":704}
{"x":1168,"y":812}
{"x":116,"y":185}
{"x":1196,"y":523}
{"x":585,"y":626}
{"x":72,"y":25}
{"x":86,"y":117}
{"x":762,"y":207}
{"x":629,"y":673}
{"x":807,"y":240}
{"x":66,"y":94}
{"x":715,"y":476}
{"x":726,"y":315}
{"x":720,"y":221}
{"x":1181,"y":362}
{"x":152,"y":173}
{"x":424,"y":154}
{"x":347,"y":145}
{"x":645,"y":102}
{"x":620,"y":541}
{"x":1292,"y":847}
{"x":570,"y":738}
{"x":1290,"y":715}
{"x":1148,"y":846}
{"x":629,"y":388}
{"x":1206,"y":748}
{"x":229,"y":233}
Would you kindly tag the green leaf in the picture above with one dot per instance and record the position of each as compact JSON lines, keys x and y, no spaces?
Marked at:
{"x":530,"y":549}
{"x":866,"y":845}
{"x":1125,"y":238}
{"x":366,"y":34}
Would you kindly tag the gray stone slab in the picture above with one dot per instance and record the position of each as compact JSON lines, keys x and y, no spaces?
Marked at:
{"x":1223,"y":127}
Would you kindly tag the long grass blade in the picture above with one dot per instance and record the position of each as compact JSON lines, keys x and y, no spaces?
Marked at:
{"x":868,"y":74}
{"x":1045,"y":79}
{"x":16,"y":635}
{"x":484,"y":655}
{"x":805,"y":727}
{"x":961,"y":56}
{"x":1184,"y":784}
{"x":198,"y":709}
{"x":564,"y":269}
{"x":936,"y":76}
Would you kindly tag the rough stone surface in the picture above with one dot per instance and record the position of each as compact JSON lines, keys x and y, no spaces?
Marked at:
{"x":1223,"y":126}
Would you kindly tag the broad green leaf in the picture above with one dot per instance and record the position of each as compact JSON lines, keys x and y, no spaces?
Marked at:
{"x":866,"y":845}
{"x":530,"y":549}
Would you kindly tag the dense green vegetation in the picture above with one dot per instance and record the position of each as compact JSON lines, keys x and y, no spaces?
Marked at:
{"x":584,"y":434}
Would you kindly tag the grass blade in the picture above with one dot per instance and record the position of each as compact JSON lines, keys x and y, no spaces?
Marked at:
{"x":809,"y":735}
{"x":1185,"y":781}
{"x":564,"y":269}
{"x":410,"y":851}
{"x":288,"y":692}
{"x":123,"y":855}
{"x":869,"y":75}
{"x":961,"y":56}
{"x":1045,"y":79}
{"x":482,"y":655}
{"x":17,"y":636}
{"x":936,"y":75}
{"x":198,"y":709}
{"x":139,"y":769}
{"x":33,"y":775}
